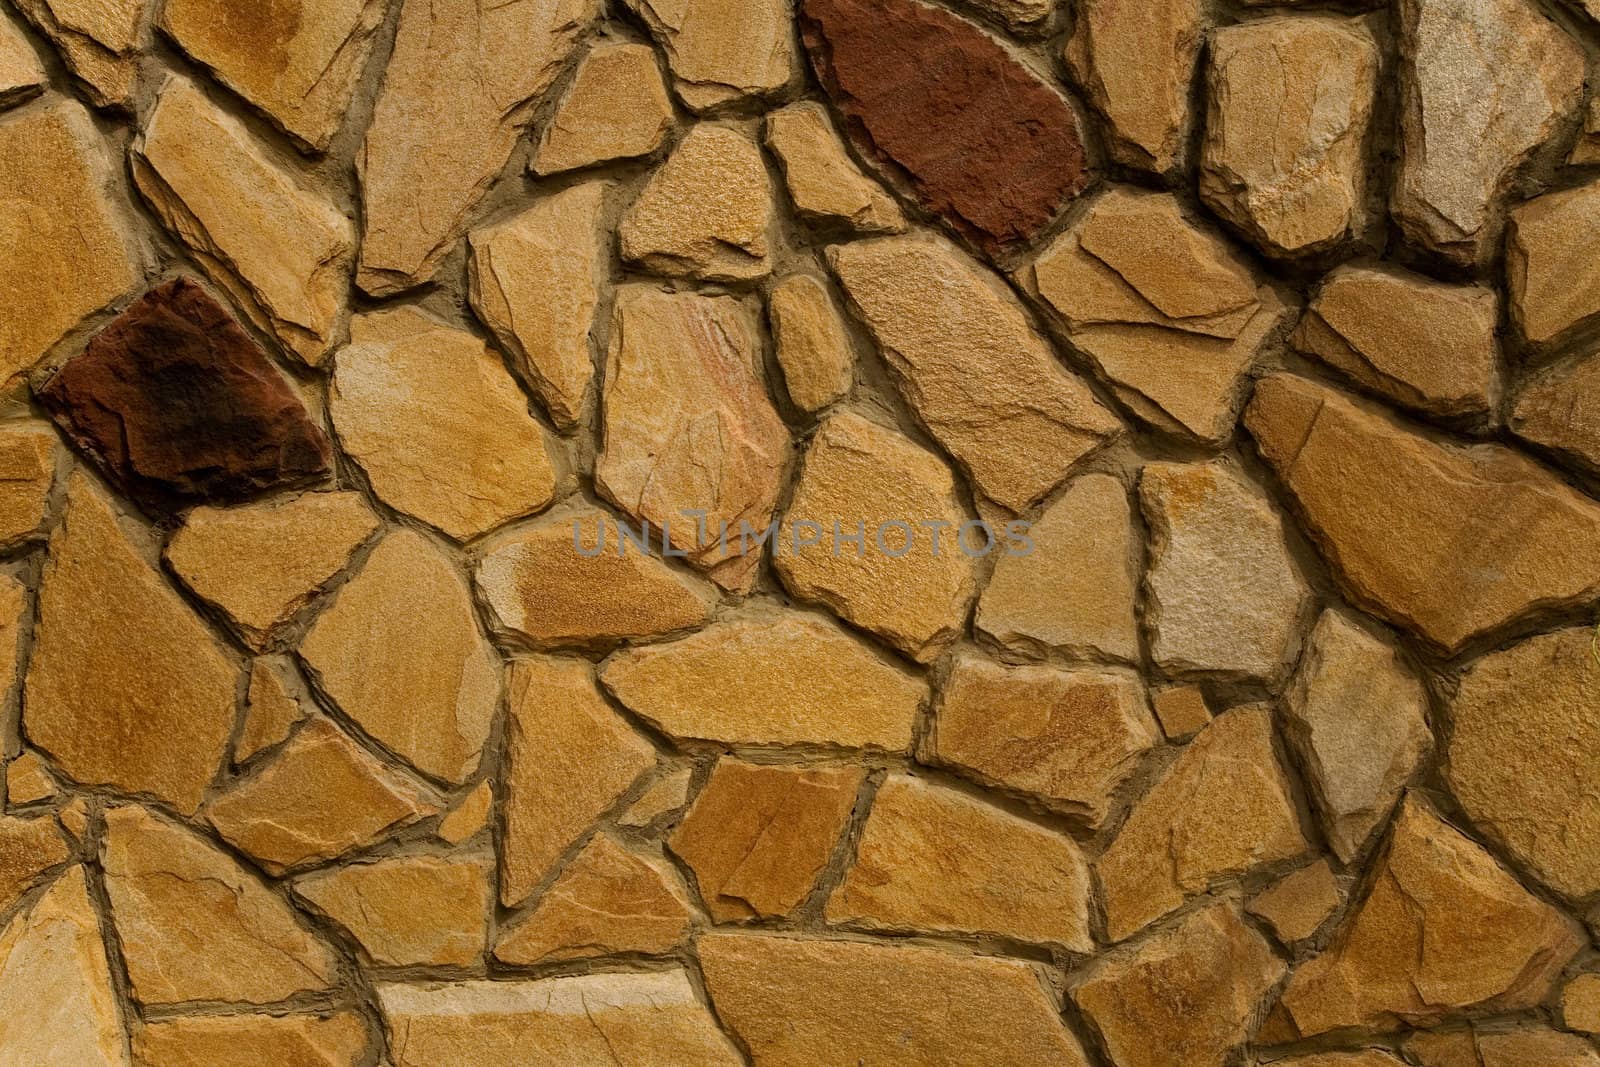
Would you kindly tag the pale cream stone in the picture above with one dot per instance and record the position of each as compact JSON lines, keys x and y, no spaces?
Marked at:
{"x":399,"y":652}
{"x":705,"y":213}
{"x":469,"y":817}
{"x":1551,"y":277}
{"x":666,"y":795}
{"x":28,"y":848}
{"x":1580,"y":1003}
{"x":770,"y":677}
{"x":1181,"y":710}
{"x":535,"y":280}
{"x":272,"y":706}
{"x":617,"y":108}
{"x":283,"y":252}
{"x":1558,"y":407}
{"x":1298,"y":905}
{"x":458,"y":90}
{"x":438,"y":424}
{"x":100,"y":41}
{"x":724,"y":50}
{"x":262,"y":563}
{"x":28,"y":780}
{"x":824,"y":182}
{"x":119,"y":655}
{"x":813,"y":350}
{"x":28,"y":451}
{"x":338,"y":1040}
{"x":21,"y":74}
{"x":408,"y":910}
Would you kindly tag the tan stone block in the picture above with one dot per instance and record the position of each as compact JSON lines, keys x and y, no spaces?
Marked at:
{"x":75,"y":817}
{"x":1558,"y":407}
{"x":723,"y":50}
{"x":666,"y":794}
{"x":1551,"y":277}
{"x":409,"y":910}
{"x":1299,"y":904}
{"x":757,"y":837}
{"x":1580,"y":1003}
{"x":272,"y":706}
{"x":469,"y":817}
{"x":28,"y":848}
{"x":1181,"y":710}
{"x":28,"y":780}
{"x":1364,"y":1058}
{"x":338,"y":1040}
{"x":14,"y":622}
{"x":21,"y":74}
{"x":28,"y":451}
{"x":813,"y":349}
{"x":1524,"y":1047}
{"x":100,"y":40}
{"x":616,"y":108}
{"x":824,"y":182}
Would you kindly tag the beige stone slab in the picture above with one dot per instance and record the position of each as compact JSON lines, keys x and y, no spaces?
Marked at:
{"x":337,"y":1040}
{"x":409,"y":910}
{"x":824,"y":183}
{"x":100,"y":41}
{"x":813,"y":349}
{"x":616,"y":108}
{"x":724,"y":50}
{"x":1298,"y":905}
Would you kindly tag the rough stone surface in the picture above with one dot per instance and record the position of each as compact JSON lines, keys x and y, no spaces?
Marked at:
{"x":1580,"y":1003}
{"x":408,"y":910}
{"x":1223,"y":808}
{"x":14,"y":622}
{"x":722,"y":51}
{"x":666,"y":795}
{"x":824,"y":183}
{"x":813,"y":350}
{"x":1488,"y":535}
{"x":1068,"y":738}
{"x":100,"y":41}
{"x":1297,"y":907}
{"x":469,"y":817}
{"x":1008,"y":154}
{"x":338,"y":1040}
{"x":1551,"y":280}
{"x":21,"y":74}
{"x":27,"y":778}
{"x":1523,"y":1047}
{"x":28,"y":848}
{"x":28,"y":460}
{"x":1559,"y":408}
{"x":617,"y":108}
{"x":1181,"y":710}
{"x":272,"y":707}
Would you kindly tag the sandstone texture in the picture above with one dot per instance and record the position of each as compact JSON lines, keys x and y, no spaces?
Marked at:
{"x":337,"y":1040}
{"x":1297,"y":907}
{"x":721,"y":51}
{"x":28,"y":848}
{"x":616,"y":108}
{"x":408,"y":910}
{"x":272,"y":707}
{"x":824,"y":183}
{"x":21,"y":74}
{"x":29,"y":453}
{"x":1181,"y":710}
{"x":99,"y":40}
{"x":1548,"y":275}
{"x":1559,"y":408}
{"x":813,"y":350}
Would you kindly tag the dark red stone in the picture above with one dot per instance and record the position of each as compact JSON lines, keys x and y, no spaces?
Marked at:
{"x":935,"y":100}
{"x":177,"y":405}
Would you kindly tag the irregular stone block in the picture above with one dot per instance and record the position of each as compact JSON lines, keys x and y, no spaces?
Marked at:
{"x":1550,"y":273}
{"x":409,"y":910}
{"x":617,"y":108}
{"x":824,"y":182}
{"x":813,"y":350}
{"x":338,"y":1040}
{"x":722,"y":51}
{"x":100,"y":40}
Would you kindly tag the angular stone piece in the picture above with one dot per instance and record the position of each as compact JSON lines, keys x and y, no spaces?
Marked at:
{"x":1488,"y":535}
{"x":28,"y":453}
{"x":535,"y":281}
{"x":824,"y":182}
{"x":570,"y":579}
{"x":28,"y":848}
{"x":119,"y":655}
{"x":770,"y":678}
{"x":28,"y":780}
{"x":723,"y":50}
{"x":857,"y":474}
{"x":617,"y":108}
{"x":69,"y":253}
{"x":1223,"y":808}
{"x":1580,"y":1003}
{"x":1067,"y":738}
{"x":607,"y":902}
{"x":1007,"y":155}
{"x":399,"y":652}
{"x":797,"y":1003}
{"x":933,"y":859}
{"x":1442,"y":929}
{"x":438,"y":424}
{"x":57,"y":1007}
{"x":705,"y":213}
{"x":1181,"y":710}
{"x":1015,"y":424}
{"x":282,"y":253}
{"x":813,"y":349}
{"x":1187,"y":996}
{"x":1418,"y":342}
{"x":1587,"y":150}
{"x":1288,"y":105}
{"x":1523,"y":1047}
{"x":650,"y":1018}
{"x":1297,"y":906}
{"x":689,"y":426}
{"x":569,"y":758}
{"x":263,"y":563}
{"x":14,"y":624}
{"x":1222,"y":593}
{"x":1364,"y":1058}
{"x":194,"y":925}
{"x":1486,"y":82}
{"x":296,"y":60}
{"x":408,"y":910}
{"x":469,"y":817}
{"x":21,"y":74}
{"x":666,"y":795}
{"x":272,"y":706}
{"x":100,"y":41}
{"x":757,"y":837}
{"x":1552,"y":279}
{"x":1072,"y":587}
{"x":338,"y":1040}
{"x":1558,"y":407}
{"x":319,"y":797}
{"x":460,"y":86}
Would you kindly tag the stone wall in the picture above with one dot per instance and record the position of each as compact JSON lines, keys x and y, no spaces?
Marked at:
{"x":687,"y":532}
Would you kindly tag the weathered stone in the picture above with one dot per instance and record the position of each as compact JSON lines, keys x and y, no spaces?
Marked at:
{"x":319,"y":797}
{"x":22,"y":76}
{"x":1484,"y":85}
{"x":75,"y":817}
{"x":1187,"y":996}
{"x":1222,"y":809}
{"x":932,"y":859}
{"x":1136,"y":62}
{"x":69,"y":253}
{"x":723,"y":50}
{"x":1297,"y":906}
{"x":1487,"y":536}
{"x":666,"y":795}
{"x":607,"y":902}
{"x":262,"y":564}
{"x":571,"y":579}
{"x":650,"y":1018}
{"x":1021,"y":16}
{"x":1552,"y":280}
{"x":813,"y":349}
{"x":1559,"y":408}
{"x":400,"y":653}
{"x":252,"y":1040}
{"x":1181,"y":710}
{"x":535,"y":281}
{"x":770,"y":678}
{"x":1587,"y":150}
{"x":1288,"y":104}
{"x":1008,"y":153}
{"x":705,"y":213}
{"x":1067,"y":738}
{"x":460,"y":86}
{"x":617,"y":108}
{"x":1580,"y":1003}
{"x":1357,"y":715}
{"x":1364,"y":1058}
{"x":1418,"y":342}
{"x":1222,"y":593}
{"x":569,"y":758}
{"x":126,"y":685}
{"x":1441,"y":929}
{"x":1017,"y":424}
{"x":57,"y":1007}
{"x":100,"y":41}
{"x":824,"y":182}
{"x":408,"y":910}
{"x":691,"y":442}
{"x":282,"y":253}
{"x":295,"y":60}
{"x":14,"y":625}
{"x":757,"y":837}
{"x":272,"y":706}
{"x":28,"y":780}
{"x":468,"y":818}
{"x":1523,"y":1047}
{"x":797,"y":1003}
{"x":1073,"y":589}
{"x":28,"y":848}
{"x":28,"y":451}
{"x":437,"y":423}
{"x":194,"y":925}
{"x":858,"y":475}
